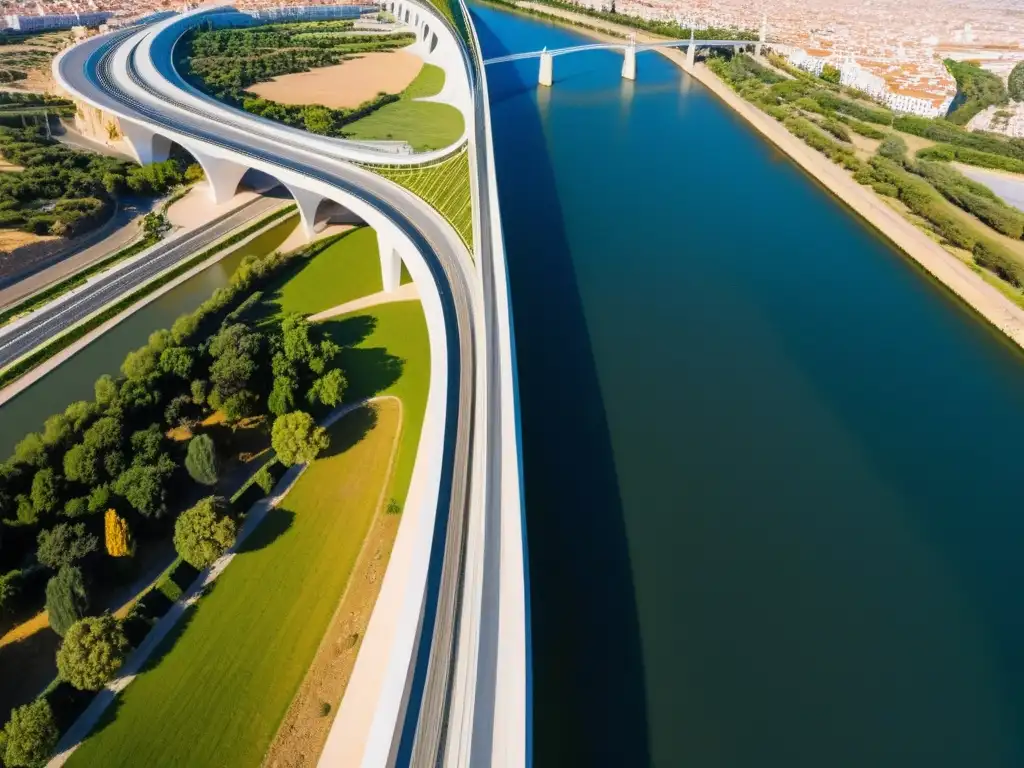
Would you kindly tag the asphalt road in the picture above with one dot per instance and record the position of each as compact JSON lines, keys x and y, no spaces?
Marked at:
{"x":50,"y":321}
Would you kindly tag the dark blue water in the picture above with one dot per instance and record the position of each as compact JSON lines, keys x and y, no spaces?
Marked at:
{"x":772,"y":470}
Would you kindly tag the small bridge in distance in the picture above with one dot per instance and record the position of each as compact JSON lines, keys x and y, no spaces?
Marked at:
{"x":629,"y":48}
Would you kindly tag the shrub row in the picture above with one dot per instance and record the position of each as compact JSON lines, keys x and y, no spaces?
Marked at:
{"x":810,"y":135}
{"x":946,"y":132}
{"x":950,"y":152}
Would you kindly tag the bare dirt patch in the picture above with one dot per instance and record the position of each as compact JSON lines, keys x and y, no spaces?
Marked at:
{"x":303,"y":732}
{"x":344,"y":85}
{"x":14,"y":238}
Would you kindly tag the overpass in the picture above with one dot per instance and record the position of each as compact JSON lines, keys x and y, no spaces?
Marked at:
{"x":629,"y":49}
{"x":451,"y":620}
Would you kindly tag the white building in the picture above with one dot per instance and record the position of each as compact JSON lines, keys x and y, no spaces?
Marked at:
{"x":798,"y":57}
{"x":854,"y":75}
{"x":19,"y":23}
{"x":916,"y":105}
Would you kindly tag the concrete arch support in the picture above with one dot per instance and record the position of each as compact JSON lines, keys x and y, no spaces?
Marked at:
{"x":145,"y":145}
{"x":309,"y":203}
{"x":390,"y":262}
{"x":222,"y":176}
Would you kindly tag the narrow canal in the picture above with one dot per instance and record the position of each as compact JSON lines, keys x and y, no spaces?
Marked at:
{"x":771,"y":469}
{"x":74,"y":379}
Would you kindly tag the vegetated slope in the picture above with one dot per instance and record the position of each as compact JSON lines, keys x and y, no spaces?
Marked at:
{"x":976,"y":87}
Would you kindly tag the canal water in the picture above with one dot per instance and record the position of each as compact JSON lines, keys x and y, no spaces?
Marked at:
{"x":772,"y":470}
{"x":73,"y":380}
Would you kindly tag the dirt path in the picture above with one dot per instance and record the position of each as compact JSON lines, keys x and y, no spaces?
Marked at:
{"x":302,"y":733}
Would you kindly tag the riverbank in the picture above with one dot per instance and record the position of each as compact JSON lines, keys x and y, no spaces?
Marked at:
{"x":985,"y":299}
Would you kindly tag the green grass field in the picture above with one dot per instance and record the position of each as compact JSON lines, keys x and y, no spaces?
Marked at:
{"x":425,"y":125}
{"x":444,"y":185}
{"x":346,"y":269}
{"x":224,"y":682}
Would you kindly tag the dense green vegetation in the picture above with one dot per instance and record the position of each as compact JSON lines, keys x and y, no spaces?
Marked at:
{"x":65,"y":192}
{"x":223,"y":63}
{"x":1015,"y":82}
{"x":945,"y":132}
{"x":949,"y":152}
{"x":973,"y":197}
{"x":976,"y":90}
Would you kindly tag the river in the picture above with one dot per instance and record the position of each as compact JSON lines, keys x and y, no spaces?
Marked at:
{"x":73,"y":379}
{"x":771,"y":468}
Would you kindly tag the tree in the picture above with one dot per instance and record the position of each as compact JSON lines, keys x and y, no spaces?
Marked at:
{"x":81,"y":465}
{"x":93,"y":650}
{"x":177,"y":361}
{"x":1015,"y":82}
{"x":76,"y":507}
{"x":282,"y":396}
{"x":318,"y":119}
{"x":328,"y":389}
{"x":10,"y":588}
{"x":140,"y":363}
{"x":143,"y":488}
{"x":65,"y":544}
{"x":201,"y":460}
{"x":45,"y":494}
{"x":117,"y":536}
{"x":830,"y":74}
{"x":204,"y":532}
{"x":66,"y":599}
{"x":176,"y":412}
{"x":146,"y":444}
{"x":56,"y":430}
{"x":194,"y":173}
{"x":31,"y":450}
{"x":200,"y":391}
{"x":105,"y":389}
{"x":31,"y":735}
{"x":99,"y":498}
{"x":296,"y":439}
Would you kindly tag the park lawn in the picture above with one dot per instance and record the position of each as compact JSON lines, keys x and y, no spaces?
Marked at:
{"x":219,"y":692}
{"x":347,"y":269}
{"x":425,"y":125}
{"x":428,"y":82}
{"x":386,"y":351}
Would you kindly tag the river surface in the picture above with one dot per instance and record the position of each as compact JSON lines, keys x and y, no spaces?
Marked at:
{"x":772,"y":470}
{"x":73,"y":379}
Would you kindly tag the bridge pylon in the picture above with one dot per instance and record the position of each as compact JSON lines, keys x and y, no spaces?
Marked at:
{"x":547,"y":68}
{"x":629,"y":61}
{"x":762,"y":35}
{"x":691,"y":52}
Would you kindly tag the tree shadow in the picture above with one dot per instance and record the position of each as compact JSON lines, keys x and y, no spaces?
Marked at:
{"x":588,"y":684}
{"x":32,"y":665}
{"x":350,"y":430}
{"x":274,"y":524}
{"x":369,"y":371}
{"x":171,"y":638}
{"x":350,"y":331}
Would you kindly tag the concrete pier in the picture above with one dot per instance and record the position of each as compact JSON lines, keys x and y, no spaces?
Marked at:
{"x":629,"y":63}
{"x":691,"y":55}
{"x":547,"y":67}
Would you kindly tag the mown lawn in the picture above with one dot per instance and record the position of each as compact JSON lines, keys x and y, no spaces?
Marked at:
{"x":347,"y":269}
{"x":425,"y":125}
{"x":224,"y":681}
